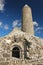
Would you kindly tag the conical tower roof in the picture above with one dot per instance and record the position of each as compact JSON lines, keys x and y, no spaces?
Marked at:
{"x":26,"y":6}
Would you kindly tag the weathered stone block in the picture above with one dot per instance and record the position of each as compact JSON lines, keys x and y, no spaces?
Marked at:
{"x":2,"y":59}
{"x":8,"y":59}
{"x":4,"y":63}
{"x":39,"y":64}
{"x":6,"y":55}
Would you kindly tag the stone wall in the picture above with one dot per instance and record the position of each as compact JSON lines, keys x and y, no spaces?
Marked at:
{"x":33,"y":45}
{"x":21,"y":62}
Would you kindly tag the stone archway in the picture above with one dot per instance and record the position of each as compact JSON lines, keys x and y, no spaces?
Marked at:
{"x":16,"y":52}
{"x":19,"y":48}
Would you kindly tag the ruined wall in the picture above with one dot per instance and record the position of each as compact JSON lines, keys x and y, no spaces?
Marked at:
{"x":19,"y":38}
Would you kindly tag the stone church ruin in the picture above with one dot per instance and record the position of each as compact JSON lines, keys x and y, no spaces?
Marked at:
{"x":21,"y":47}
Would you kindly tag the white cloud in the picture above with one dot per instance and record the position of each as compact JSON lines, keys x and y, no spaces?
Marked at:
{"x":35,"y":23}
{"x":2,"y":4}
{"x":19,"y":24}
{"x":39,"y":28}
{"x":1,"y":24}
{"x":39,"y":31}
{"x":6,"y":27}
{"x":15,"y":23}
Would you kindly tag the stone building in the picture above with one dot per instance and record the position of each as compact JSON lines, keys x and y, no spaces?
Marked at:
{"x":21,"y":46}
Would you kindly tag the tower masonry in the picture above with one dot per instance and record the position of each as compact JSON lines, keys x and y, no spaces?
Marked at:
{"x":27,"y":24}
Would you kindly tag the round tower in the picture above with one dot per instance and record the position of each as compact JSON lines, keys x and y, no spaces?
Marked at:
{"x":27,"y":24}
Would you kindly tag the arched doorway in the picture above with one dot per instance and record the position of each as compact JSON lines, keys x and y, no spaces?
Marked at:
{"x":16,"y":52}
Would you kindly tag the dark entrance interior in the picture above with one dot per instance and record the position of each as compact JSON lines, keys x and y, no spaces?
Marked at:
{"x":16,"y":52}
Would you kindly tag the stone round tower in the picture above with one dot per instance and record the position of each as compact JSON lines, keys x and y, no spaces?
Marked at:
{"x":27,"y":24}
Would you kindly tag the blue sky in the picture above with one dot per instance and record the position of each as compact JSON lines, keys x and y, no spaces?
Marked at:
{"x":11,"y":14}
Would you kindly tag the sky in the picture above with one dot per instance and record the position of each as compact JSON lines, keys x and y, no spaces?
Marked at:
{"x":11,"y":15}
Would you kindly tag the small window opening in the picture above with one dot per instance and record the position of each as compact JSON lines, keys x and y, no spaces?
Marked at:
{"x":16,"y":52}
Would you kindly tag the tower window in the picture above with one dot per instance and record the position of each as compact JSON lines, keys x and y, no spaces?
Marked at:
{"x":16,"y":52}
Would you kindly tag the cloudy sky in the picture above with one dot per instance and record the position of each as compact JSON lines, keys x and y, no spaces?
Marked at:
{"x":11,"y":14}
